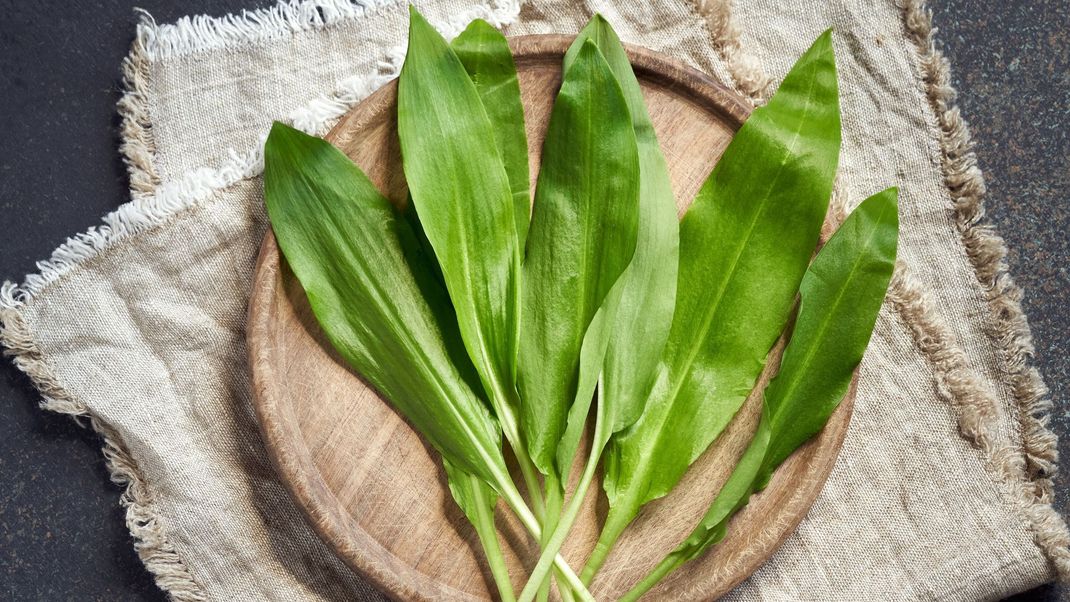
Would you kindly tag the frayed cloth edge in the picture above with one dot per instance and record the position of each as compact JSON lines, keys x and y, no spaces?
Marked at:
{"x":201,"y":33}
{"x":1026,"y":472}
{"x":1031,"y":468}
{"x":142,"y":519}
{"x":153,"y":203}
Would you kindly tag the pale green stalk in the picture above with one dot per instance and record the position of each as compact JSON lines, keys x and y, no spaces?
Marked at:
{"x":488,"y":535}
{"x":561,"y":532}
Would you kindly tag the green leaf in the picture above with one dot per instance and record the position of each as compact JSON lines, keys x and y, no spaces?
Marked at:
{"x":582,"y":238}
{"x":621,"y":347}
{"x":351,"y":253}
{"x":642,"y":315}
{"x":841,"y":295}
{"x":485,"y":54}
{"x":744,"y":246}
{"x":732,"y":497}
{"x":477,"y":501}
{"x":461,"y":192}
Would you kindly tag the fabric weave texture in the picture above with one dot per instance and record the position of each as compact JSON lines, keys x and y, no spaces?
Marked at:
{"x":942,"y":489}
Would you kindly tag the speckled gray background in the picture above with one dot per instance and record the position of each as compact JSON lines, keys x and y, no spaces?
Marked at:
{"x":61,"y":530}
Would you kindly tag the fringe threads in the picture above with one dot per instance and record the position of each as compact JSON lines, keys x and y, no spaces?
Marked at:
{"x":1032,"y":468}
{"x":746,"y":70}
{"x":137,"y":146}
{"x":199,"y":33}
{"x":153,"y":204}
{"x":142,"y":519}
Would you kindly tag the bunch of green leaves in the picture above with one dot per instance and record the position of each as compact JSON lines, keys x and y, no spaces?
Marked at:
{"x":597,"y":312}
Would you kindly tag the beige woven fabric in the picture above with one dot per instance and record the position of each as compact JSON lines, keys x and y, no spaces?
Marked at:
{"x":943,"y":485}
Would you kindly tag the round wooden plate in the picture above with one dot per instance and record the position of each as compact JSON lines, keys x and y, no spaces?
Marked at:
{"x":376,"y":493}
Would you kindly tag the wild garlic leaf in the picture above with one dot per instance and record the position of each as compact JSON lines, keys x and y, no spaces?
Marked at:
{"x":744,"y":246}
{"x":643,"y":314}
{"x":351,"y":253}
{"x":582,"y":238}
{"x":461,"y":192}
{"x":624,"y":341}
{"x":841,"y":295}
{"x":380,"y":307}
{"x":485,"y":54}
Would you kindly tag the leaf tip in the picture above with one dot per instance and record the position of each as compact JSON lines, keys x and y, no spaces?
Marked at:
{"x":822,"y":46}
{"x":590,"y":51}
{"x":481,"y":24}
{"x":278,"y":129}
{"x":888,"y":196}
{"x":281,"y":133}
{"x":892,"y":195}
{"x":416,"y":20}
{"x":825,"y":39}
{"x":599,"y":29}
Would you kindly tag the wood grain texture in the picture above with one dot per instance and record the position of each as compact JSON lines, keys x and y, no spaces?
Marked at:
{"x":375,"y":492}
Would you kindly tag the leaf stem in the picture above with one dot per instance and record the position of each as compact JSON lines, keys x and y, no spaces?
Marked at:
{"x":514,"y":500}
{"x":617,"y":520}
{"x":553,"y":546}
{"x":531,"y":480}
{"x":667,"y":565}
{"x":533,"y":520}
{"x":555,"y":498}
{"x":507,"y":420}
{"x":563,"y":588}
{"x":554,"y":501}
{"x":488,"y":536}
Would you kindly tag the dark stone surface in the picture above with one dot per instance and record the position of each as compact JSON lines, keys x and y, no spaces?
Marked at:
{"x":62,"y":535}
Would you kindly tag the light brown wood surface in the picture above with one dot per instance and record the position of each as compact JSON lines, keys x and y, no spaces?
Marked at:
{"x":376,"y":493}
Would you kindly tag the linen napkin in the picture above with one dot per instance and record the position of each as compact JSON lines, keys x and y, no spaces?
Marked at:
{"x":943,"y":487}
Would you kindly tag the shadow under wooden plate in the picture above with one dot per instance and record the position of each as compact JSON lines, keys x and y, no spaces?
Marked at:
{"x":375,"y":492}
